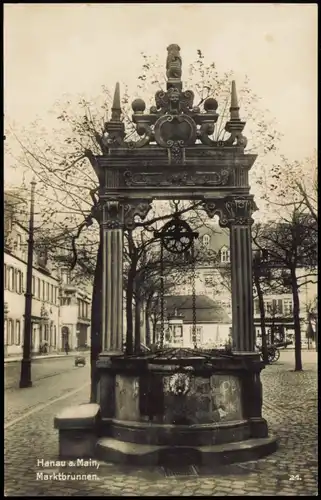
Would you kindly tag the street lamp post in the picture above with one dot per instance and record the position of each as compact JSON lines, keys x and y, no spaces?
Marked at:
{"x":5,"y":317}
{"x":25,"y":374}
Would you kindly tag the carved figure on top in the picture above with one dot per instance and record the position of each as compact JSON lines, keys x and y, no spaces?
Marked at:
{"x":173,"y":62}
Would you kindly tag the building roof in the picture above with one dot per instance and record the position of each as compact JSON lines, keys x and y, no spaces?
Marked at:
{"x":207,"y":311}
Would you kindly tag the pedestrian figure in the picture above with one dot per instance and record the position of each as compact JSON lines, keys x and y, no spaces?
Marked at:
{"x":67,"y":348}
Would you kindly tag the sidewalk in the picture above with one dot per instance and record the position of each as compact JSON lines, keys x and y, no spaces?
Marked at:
{"x":12,"y":359}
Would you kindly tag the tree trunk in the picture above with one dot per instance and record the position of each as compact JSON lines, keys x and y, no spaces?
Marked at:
{"x":297,"y":325}
{"x":137,"y":324}
{"x":96,"y":315}
{"x":147,"y":326}
{"x":147,"y":319}
{"x":273,"y":330}
{"x":262,"y":316}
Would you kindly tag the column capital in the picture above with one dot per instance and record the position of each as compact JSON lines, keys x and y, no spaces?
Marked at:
{"x":232,"y":210}
{"x":113,"y":215}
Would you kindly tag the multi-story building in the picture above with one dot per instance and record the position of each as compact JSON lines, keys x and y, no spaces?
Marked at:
{"x":212,"y":280}
{"x":45,"y":289}
{"x":75,"y":313}
{"x":59,"y":314}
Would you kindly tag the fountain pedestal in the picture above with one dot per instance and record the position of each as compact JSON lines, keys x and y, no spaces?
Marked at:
{"x":192,"y":408}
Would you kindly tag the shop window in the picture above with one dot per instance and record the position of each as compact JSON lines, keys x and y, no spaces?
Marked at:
{"x":18,"y":333}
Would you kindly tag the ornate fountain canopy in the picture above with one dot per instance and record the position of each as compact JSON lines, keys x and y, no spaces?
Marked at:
{"x":176,"y":156}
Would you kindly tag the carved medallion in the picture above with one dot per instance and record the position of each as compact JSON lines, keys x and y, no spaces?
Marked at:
{"x":179,"y":384}
{"x":171,"y":129}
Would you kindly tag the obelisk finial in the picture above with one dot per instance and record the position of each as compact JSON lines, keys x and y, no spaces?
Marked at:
{"x":234,"y":109}
{"x":115,"y":128}
{"x":116,"y":109}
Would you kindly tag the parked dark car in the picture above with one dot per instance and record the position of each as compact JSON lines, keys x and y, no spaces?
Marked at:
{"x":80,"y":360}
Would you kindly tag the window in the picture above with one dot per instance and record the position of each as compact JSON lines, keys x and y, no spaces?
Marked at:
{"x":33,"y":285}
{"x":287,"y":307}
{"x":34,"y":334}
{"x":18,"y":333}
{"x":268,"y":306}
{"x":5,"y":284}
{"x":10,"y":332}
{"x":43,"y":290}
{"x":55,"y":336}
{"x":199,"y":334}
{"x":206,"y":240}
{"x":51,"y":293}
{"x":56,"y":295}
{"x":225,"y":255}
{"x":178,"y":331}
{"x":38,"y":288}
{"x":11,"y":280}
{"x":19,"y":282}
{"x":209,"y":280}
{"x":65,"y":276}
{"x":46,"y":333}
{"x":18,"y":243}
{"x":257,"y":307}
{"x":5,"y":332}
{"x":47,"y":291}
{"x":226,"y":304}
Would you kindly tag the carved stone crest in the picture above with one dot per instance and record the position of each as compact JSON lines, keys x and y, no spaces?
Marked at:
{"x":231,"y":211}
{"x":171,"y":129}
{"x":135,"y":208}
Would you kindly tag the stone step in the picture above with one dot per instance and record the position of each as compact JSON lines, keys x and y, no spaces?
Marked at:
{"x":113,"y":450}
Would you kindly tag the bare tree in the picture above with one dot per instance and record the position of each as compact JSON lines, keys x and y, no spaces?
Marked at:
{"x":291,"y":245}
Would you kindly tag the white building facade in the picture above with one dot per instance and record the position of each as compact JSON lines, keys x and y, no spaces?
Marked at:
{"x":45,"y":307}
{"x":51,"y":313}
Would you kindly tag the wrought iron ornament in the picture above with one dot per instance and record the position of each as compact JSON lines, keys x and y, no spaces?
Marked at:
{"x":177,"y":236}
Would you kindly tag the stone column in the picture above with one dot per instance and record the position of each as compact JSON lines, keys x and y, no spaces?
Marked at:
{"x":238,"y":212}
{"x":112,"y":289}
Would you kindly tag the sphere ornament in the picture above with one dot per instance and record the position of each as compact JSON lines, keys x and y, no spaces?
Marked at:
{"x":210,"y":104}
{"x":138,"y":106}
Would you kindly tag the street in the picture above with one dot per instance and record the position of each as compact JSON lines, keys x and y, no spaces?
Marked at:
{"x":290,"y":406}
{"x":52,"y":378}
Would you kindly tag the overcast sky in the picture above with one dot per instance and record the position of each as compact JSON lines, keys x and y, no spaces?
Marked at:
{"x":51,"y":49}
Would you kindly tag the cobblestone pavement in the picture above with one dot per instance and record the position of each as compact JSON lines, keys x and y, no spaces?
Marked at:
{"x":290,"y":406}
